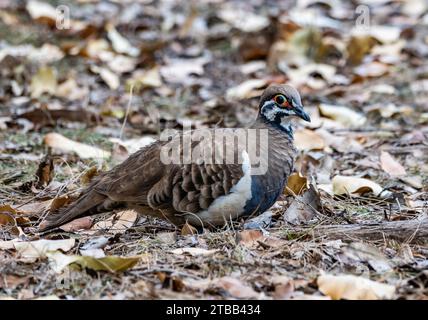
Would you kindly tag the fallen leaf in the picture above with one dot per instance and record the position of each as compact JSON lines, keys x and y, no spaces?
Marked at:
{"x":113,"y":264}
{"x":133,"y":145}
{"x":145,"y":79}
{"x":188,"y":229}
{"x":236,"y":288}
{"x":120,"y":44}
{"x":182,"y":70}
{"x":358,"y":47}
{"x":9,"y":215}
{"x":44,"y":81}
{"x":89,"y":175}
{"x":30,"y":251}
{"x":246,"y":236}
{"x":306,"y":140}
{"x":45,"y":172}
{"x":296,"y":184}
{"x":194,"y":251}
{"x":390,"y":165}
{"x":9,"y":281}
{"x":371,"y":69}
{"x":351,"y":287}
{"x":111,"y":79}
{"x":118,"y":223}
{"x":42,"y":11}
{"x":167,"y":237}
{"x":59,"y":142}
{"x":382,"y":33}
{"x":78,"y":224}
{"x":246,"y":90}
{"x":284,"y":288}
{"x":122,"y":64}
{"x":243,"y":20}
{"x":359,"y":251}
{"x":414,"y":181}
{"x":349,"y":185}
{"x":303,"y":208}
{"x":343,"y":115}
{"x":71,"y":90}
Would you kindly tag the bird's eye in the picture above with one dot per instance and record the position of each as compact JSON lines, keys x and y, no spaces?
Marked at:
{"x":281,"y":100}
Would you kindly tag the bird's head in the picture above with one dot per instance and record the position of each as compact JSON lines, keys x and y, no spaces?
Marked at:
{"x":278,"y":105}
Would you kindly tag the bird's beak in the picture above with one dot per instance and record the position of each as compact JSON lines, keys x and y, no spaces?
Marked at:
{"x":298,"y":110}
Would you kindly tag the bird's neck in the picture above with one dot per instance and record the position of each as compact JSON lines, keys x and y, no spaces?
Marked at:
{"x":282,"y":125}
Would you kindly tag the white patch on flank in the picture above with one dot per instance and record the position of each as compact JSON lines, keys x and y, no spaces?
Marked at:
{"x":231,"y":205}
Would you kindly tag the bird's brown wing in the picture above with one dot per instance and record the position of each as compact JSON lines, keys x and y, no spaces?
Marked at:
{"x":144,"y":180}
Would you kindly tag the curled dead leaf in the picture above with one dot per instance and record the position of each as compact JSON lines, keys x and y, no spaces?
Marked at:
{"x":350,"y":185}
{"x":296,"y":184}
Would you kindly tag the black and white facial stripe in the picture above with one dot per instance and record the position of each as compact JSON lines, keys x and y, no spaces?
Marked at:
{"x":278,"y":116}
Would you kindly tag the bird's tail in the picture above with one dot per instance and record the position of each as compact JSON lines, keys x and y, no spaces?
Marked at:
{"x":87,"y":204}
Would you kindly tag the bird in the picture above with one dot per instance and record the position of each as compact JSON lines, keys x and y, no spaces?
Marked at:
{"x":205,"y":191}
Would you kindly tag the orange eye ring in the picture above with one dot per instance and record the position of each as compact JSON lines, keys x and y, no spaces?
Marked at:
{"x":281,"y":100}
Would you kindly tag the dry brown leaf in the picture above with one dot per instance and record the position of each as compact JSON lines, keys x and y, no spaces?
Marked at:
{"x":351,"y":287}
{"x":89,"y":175}
{"x":306,"y":140}
{"x":78,"y":224}
{"x":248,"y":236}
{"x":284,"y":288}
{"x":9,"y":215}
{"x":118,"y":223}
{"x":188,"y":229}
{"x":59,"y":142}
{"x":390,"y":165}
{"x":296,"y":184}
{"x":303,"y":208}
